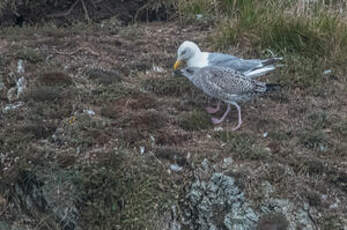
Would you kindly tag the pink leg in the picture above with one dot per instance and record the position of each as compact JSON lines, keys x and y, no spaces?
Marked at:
{"x":240,"y":120}
{"x":217,"y":121}
{"x":212,"y":110}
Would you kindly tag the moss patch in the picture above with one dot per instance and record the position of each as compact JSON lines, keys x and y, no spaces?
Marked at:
{"x":104,"y":77}
{"x":195,"y":120}
{"x":54,"y":79}
{"x":119,"y":191}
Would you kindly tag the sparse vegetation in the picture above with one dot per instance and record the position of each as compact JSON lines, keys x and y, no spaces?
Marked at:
{"x":316,"y":140}
{"x":30,"y":54}
{"x":171,"y":86}
{"x":127,"y":198}
{"x":104,"y":122}
{"x":242,"y":146}
{"x":195,"y":120}
{"x":104,"y":77}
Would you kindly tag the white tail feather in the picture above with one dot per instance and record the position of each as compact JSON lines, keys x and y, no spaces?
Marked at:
{"x":259,"y":72}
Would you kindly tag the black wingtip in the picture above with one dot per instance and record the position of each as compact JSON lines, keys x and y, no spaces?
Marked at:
{"x":273,"y":87}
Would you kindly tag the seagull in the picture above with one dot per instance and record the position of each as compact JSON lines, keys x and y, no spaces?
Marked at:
{"x":191,"y":53}
{"x":225,"y":84}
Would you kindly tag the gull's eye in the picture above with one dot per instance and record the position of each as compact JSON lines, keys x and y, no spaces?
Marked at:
{"x":183,"y":52}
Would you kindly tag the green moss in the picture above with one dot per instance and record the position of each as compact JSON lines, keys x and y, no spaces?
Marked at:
{"x":195,"y":120}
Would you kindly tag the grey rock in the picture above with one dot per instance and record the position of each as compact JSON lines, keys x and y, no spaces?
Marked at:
{"x":296,"y":215}
{"x":21,"y":84}
{"x":49,"y":193}
{"x":215,"y":201}
{"x":218,"y":203}
{"x":12,"y":94}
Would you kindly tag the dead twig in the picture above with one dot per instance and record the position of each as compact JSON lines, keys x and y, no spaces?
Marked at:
{"x":71,"y":9}
{"x":85,"y":11}
{"x":79,"y":49}
{"x":65,"y":13}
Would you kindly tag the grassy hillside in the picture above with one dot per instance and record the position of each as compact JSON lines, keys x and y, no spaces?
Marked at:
{"x":101,"y":135}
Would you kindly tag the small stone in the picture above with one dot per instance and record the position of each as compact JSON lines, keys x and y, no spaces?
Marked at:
{"x":227,"y":162}
{"x":199,"y":16}
{"x":158,"y":69}
{"x":89,"y":112}
{"x":142,"y":149}
{"x":217,"y":129}
{"x":59,"y":130}
{"x":14,"y":106}
{"x":21,"y":84}
{"x":12,"y":94}
{"x":20,"y":66}
{"x":328,"y":71}
{"x":175,"y":167}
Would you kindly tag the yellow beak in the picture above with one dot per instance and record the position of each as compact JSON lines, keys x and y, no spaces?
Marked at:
{"x":177,"y":64}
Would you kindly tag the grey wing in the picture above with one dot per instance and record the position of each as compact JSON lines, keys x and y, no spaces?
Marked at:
{"x":233,"y":62}
{"x":226,"y":80}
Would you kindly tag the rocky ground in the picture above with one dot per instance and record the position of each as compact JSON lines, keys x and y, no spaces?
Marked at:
{"x":97,"y":133}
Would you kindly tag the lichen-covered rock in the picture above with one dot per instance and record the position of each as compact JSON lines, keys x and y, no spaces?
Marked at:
{"x":216,"y":201}
{"x":298,"y":217}
{"x":12,"y":94}
{"x":48,"y":194}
